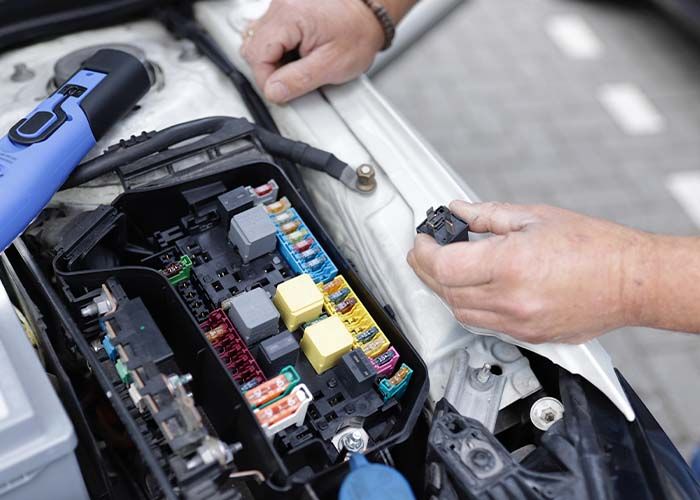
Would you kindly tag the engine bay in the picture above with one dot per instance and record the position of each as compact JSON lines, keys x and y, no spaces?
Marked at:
{"x":213,"y":331}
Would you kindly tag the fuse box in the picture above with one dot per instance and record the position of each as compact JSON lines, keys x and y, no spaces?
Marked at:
{"x":286,"y":349}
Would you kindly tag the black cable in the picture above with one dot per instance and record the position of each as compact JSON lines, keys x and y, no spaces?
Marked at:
{"x":186,"y":27}
{"x":280,"y":147}
{"x":155,"y":142}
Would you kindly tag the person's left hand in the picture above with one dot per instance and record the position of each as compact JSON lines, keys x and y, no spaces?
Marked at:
{"x":547,"y":274}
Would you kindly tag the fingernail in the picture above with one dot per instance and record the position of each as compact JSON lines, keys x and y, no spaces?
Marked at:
{"x":277,"y":91}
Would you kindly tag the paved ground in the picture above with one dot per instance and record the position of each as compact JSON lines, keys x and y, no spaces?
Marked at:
{"x":520,"y":118}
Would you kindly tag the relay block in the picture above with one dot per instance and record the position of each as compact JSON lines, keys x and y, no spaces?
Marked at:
{"x":267,"y":316}
{"x":444,"y":226}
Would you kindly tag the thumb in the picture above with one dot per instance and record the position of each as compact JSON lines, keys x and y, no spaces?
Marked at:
{"x":300,"y":77}
{"x":493,"y":217}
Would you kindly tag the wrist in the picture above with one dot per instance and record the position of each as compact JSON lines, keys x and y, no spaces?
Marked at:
{"x":397,"y":9}
{"x":641,"y":270}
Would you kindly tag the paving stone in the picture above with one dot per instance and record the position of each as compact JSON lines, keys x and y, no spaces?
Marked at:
{"x":521,"y":122}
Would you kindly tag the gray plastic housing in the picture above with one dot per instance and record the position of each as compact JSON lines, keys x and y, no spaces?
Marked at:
{"x":252,"y":233}
{"x":233,"y":202}
{"x":254,"y":315}
{"x":277,"y":352}
{"x":37,"y":440}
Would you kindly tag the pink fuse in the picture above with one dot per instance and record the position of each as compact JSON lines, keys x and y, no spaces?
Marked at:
{"x":386,"y":362}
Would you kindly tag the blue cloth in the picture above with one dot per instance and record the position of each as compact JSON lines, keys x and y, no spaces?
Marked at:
{"x":367,"y":481}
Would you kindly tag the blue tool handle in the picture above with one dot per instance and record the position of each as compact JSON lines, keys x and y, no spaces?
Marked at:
{"x":41,"y":150}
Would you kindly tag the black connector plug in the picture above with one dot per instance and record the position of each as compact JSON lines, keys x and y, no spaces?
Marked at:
{"x":444,"y":226}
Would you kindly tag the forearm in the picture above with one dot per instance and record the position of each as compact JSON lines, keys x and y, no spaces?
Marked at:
{"x":397,"y":9}
{"x":665,"y":285}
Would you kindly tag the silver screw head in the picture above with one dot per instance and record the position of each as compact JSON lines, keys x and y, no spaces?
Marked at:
{"x":545,"y":412}
{"x":352,"y":441}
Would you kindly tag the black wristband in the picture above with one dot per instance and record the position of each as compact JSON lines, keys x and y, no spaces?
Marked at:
{"x":385,"y":21}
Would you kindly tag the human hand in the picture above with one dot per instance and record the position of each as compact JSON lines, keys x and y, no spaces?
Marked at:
{"x":336,"y":40}
{"x":547,"y":274}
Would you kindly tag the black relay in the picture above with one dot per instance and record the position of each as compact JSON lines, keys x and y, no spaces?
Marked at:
{"x":444,"y":226}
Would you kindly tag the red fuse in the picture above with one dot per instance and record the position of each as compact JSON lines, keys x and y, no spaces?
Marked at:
{"x":304,"y":245}
{"x":263,"y":190}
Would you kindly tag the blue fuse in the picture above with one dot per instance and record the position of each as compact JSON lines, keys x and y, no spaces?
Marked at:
{"x":367,"y":335}
{"x":316,"y":263}
{"x":340,"y":295}
{"x":109,"y":348}
{"x":309,"y":254}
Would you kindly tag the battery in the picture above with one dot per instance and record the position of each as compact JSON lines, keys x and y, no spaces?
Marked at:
{"x":37,"y":458}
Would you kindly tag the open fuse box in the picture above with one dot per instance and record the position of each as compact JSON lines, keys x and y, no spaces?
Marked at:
{"x":233,"y":310}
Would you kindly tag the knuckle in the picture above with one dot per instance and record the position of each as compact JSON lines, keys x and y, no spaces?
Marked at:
{"x":526,"y":310}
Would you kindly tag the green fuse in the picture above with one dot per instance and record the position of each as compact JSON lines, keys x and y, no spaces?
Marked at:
{"x":395,"y":386}
{"x":123,"y":372}
{"x":179,"y":271}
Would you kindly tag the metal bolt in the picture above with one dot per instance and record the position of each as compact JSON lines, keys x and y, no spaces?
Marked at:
{"x":353,"y":442}
{"x":482,"y":459}
{"x":366,"y":180}
{"x":100,"y":305}
{"x":178,"y":380}
{"x":22,"y":73}
{"x":188,"y":51}
{"x":484,"y":373}
{"x":545,"y":411}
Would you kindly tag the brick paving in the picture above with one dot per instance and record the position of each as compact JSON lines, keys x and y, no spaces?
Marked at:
{"x":521,"y":122}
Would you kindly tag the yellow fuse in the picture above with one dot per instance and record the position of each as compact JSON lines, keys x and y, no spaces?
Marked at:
{"x":325,"y":342}
{"x":376,"y":347}
{"x":298,"y":300}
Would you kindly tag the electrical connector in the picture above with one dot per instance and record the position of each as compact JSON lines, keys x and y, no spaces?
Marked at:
{"x":395,"y":387}
{"x":274,"y":389}
{"x":288,"y":411}
{"x":178,"y":271}
{"x":444,"y":226}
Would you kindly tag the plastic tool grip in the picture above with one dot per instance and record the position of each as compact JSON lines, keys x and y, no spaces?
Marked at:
{"x":41,"y":150}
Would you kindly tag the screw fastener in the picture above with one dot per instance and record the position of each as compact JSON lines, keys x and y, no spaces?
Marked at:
{"x":545,"y":411}
{"x":366,"y":179}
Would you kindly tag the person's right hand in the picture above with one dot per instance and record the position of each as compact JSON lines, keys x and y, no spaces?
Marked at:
{"x":546,"y":274}
{"x":336,"y":39}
